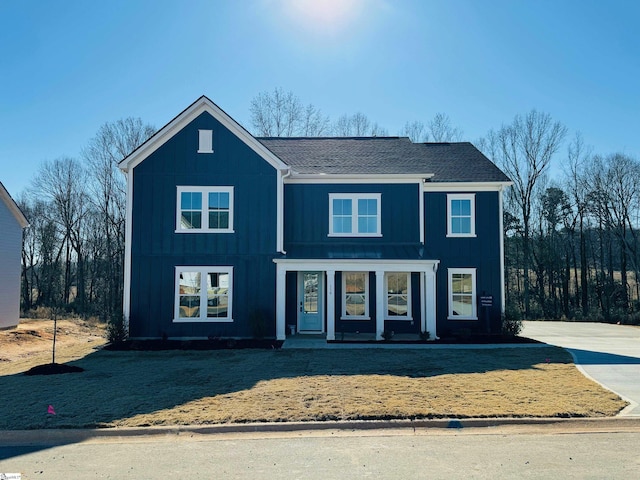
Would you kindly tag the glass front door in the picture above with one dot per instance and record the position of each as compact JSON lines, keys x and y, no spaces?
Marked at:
{"x":310,"y":302}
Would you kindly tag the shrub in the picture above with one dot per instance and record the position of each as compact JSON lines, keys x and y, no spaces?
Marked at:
{"x":511,"y":321}
{"x":424,"y":336}
{"x":117,"y":329}
{"x":387,"y":335}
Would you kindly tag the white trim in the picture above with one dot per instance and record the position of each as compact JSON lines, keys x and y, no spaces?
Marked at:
{"x":13,"y":207}
{"x":367,"y":297}
{"x":323,"y":178}
{"x":126,"y":301}
{"x":203,"y":270}
{"x":205,"y":141}
{"x":331,"y":305}
{"x":280,"y":210}
{"x":472,"y":205}
{"x":356,"y":265}
{"x":501,"y":233}
{"x":474,"y":293}
{"x":380,"y":313}
{"x":464,"y":186}
{"x":201,"y":105}
{"x":354,"y":197}
{"x":204,"y":210}
{"x":409,"y":315}
{"x":421,"y":220}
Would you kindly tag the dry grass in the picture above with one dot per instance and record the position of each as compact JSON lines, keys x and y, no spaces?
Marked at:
{"x":205,"y":387}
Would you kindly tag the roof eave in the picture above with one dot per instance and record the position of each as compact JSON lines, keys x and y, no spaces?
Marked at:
{"x":202,"y":104}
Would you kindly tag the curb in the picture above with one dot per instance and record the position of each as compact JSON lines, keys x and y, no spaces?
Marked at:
{"x":65,"y":436}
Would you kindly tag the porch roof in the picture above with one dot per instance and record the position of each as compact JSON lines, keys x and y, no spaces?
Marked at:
{"x":355,"y":252}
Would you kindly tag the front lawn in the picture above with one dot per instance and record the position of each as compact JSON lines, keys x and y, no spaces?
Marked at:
{"x":138,"y":388}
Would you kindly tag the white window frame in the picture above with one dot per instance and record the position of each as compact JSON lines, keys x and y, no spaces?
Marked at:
{"x":205,"y":141}
{"x":461,"y":196}
{"x":354,"y":197}
{"x":203,"y":270}
{"x":367,"y":297}
{"x":408,"y":315}
{"x":474,"y":293}
{"x":205,"y":191}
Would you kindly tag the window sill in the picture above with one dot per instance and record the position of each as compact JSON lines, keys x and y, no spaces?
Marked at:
{"x":400,"y":319}
{"x":355,"y":235}
{"x":203,"y":320}
{"x":461,"y":318}
{"x":461,"y":235}
{"x":355,"y":318}
{"x":204,"y":151}
{"x":200,"y":230}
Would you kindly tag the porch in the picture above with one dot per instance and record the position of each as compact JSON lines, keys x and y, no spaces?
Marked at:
{"x":321,"y":307}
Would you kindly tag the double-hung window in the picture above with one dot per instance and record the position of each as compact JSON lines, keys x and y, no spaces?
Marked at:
{"x":204,"y":209}
{"x":461,"y":215}
{"x":203,"y":294}
{"x":355,"y":295}
{"x":354,"y":215}
{"x":462,"y":294}
{"x":398,"y":287}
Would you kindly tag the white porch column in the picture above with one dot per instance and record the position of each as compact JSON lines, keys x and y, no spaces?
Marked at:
{"x":379,"y":304}
{"x":281,"y":287}
{"x":423,"y":303}
{"x":430,"y":278}
{"x":331,"y":305}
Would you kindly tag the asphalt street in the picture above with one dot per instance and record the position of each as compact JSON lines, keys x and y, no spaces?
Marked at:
{"x":609,"y":354}
{"x":516,"y":451}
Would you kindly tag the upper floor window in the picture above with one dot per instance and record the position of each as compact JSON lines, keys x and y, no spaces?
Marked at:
{"x":462,"y":294}
{"x":205,"y":209}
{"x":205,"y":141}
{"x":354,"y":215}
{"x":461,"y":215}
{"x":398,"y":287}
{"x":203,"y":294}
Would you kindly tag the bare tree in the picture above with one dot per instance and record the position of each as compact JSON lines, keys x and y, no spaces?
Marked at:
{"x":314,"y":123}
{"x":107,"y":186}
{"x":276,"y":114}
{"x":525,"y":149}
{"x":441,"y":130}
{"x":416,"y":131}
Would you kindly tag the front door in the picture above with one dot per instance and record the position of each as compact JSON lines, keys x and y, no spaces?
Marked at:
{"x":310,"y":302}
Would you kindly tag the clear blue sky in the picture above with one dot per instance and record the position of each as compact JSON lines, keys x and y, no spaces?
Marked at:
{"x":67,"y":67}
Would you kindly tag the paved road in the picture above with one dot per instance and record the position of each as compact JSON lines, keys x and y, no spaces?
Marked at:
{"x":479,"y":453}
{"x":610,"y":354}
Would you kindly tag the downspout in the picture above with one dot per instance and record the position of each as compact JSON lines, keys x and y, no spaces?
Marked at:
{"x":280,"y":206}
{"x":502,"y":276}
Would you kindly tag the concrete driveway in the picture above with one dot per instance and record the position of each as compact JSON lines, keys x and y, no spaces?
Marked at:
{"x":609,"y":354}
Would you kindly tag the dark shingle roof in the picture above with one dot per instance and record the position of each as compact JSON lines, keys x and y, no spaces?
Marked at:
{"x":449,"y":162}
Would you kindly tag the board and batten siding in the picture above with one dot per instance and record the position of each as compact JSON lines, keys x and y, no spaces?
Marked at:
{"x":10,"y":249}
{"x":307,"y":214}
{"x":156,"y":248}
{"x":481,"y":252}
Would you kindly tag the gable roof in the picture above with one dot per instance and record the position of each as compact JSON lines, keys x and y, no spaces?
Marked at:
{"x":440,"y":162}
{"x":13,"y":207}
{"x":202,"y":104}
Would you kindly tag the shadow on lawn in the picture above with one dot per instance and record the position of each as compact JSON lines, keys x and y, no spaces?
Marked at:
{"x":120,"y":385}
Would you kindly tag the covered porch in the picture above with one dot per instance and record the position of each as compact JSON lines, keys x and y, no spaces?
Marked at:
{"x":309,"y":299}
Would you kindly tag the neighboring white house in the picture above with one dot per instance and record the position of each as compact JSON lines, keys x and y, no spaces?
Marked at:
{"x":12,"y":221}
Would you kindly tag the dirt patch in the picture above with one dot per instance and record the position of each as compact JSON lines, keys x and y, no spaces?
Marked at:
{"x":30,"y":343}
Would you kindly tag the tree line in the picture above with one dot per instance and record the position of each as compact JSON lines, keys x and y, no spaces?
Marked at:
{"x":571,"y":242}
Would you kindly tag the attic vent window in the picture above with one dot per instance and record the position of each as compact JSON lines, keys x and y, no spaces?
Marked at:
{"x":205,"y":144}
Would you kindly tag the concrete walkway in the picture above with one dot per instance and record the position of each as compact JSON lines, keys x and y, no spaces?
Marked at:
{"x":609,"y":354}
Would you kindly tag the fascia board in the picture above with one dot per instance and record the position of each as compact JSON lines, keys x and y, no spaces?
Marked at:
{"x":465,"y":186}
{"x":356,"y":178}
{"x":13,"y":207}
{"x":203,"y":104}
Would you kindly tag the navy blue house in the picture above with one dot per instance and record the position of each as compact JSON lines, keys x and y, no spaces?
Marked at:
{"x":229,"y":235}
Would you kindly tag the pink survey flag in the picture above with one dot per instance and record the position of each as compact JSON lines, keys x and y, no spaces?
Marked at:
{"x":50,"y":410}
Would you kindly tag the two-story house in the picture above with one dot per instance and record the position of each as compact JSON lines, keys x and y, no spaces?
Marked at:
{"x":311,"y":235}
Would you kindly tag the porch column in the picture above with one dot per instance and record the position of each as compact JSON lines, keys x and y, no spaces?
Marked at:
{"x":423,"y":303}
{"x":430,"y":278}
{"x":379,"y":304}
{"x":281,"y":287}
{"x":331,"y":305}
